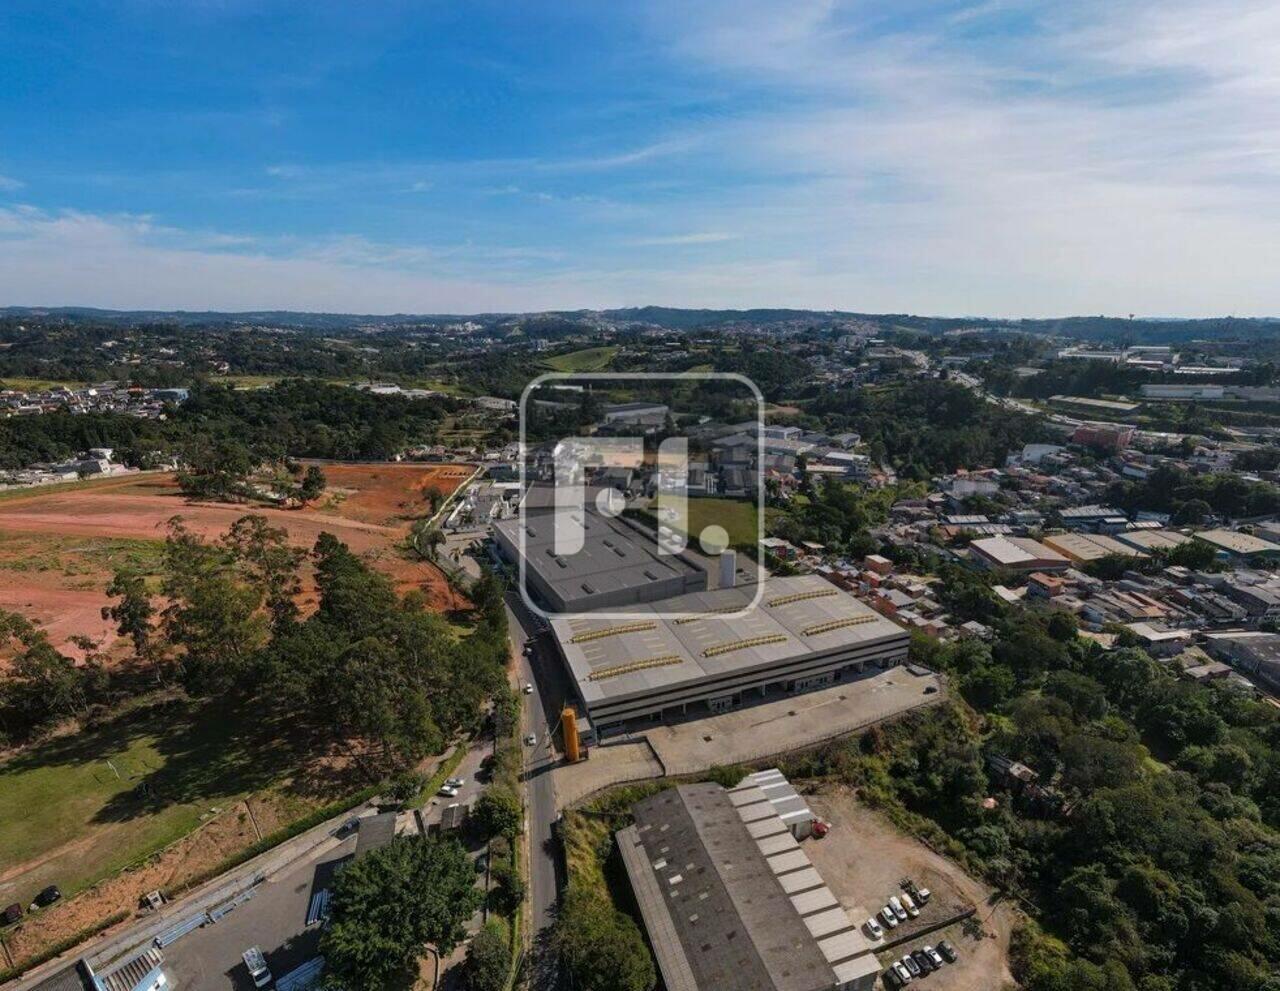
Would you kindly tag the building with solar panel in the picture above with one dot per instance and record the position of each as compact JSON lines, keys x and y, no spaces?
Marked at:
{"x":711,"y":651}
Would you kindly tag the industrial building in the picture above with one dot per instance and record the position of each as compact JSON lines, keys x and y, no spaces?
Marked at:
{"x":1017,"y":554}
{"x":731,"y":900}
{"x":1085,"y":547}
{"x":715,"y":650}
{"x":1253,"y":652}
{"x":1153,"y":540}
{"x":618,"y":565}
{"x":1234,"y":543}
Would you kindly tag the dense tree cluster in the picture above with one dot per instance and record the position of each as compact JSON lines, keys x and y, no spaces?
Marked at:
{"x":1190,"y":498}
{"x":373,"y":673}
{"x":1152,"y":840}
{"x":837,"y":515}
{"x":392,"y":903}
{"x":601,"y":947}
{"x":295,"y":418}
{"x":928,"y":426}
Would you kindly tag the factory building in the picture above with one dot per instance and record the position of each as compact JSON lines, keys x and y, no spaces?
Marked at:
{"x":732,"y":902}
{"x":617,"y":566}
{"x":714,"y":650}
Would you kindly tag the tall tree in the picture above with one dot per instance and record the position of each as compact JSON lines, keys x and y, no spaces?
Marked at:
{"x":391,"y":904}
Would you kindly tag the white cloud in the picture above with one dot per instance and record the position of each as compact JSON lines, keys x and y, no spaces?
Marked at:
{"x":9,"y":185}
{"x":128,"y":262}
{"x":698,"y":237}
{"x":999,"y":157}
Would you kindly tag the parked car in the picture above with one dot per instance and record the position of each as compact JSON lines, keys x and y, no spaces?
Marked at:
{"x":948,"y":951}
{"x":456,"y":782}
{"x":910,"y":906}
{"x":921,"y":895}
{"x":531,"y":740}
{"x":923,"y":962}
{"x":933,"y":955}
{"x":48,"y":896}
{"x":896,"y":905}
{"x":874,"y":928}
{"x":901,"y":972}
{"x":11,"y":914}
{"x":890,"y":919}
{"x":348,"y":827}
{"x":913,"y":968}
{"x":528,"y":687}
{"x":448,"y":791}
{"x":256,"y":964}
{"x":892,"y":980}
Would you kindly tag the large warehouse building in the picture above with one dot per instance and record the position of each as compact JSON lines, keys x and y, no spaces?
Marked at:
{"x":803,"y":634}
{"x":616,"y":567}
{"x":732,"y":902}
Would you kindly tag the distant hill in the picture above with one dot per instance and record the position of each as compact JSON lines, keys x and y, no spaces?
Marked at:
{"x":559,"y":322}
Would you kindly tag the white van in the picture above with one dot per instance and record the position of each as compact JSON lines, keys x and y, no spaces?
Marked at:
{"x":256,"y":964}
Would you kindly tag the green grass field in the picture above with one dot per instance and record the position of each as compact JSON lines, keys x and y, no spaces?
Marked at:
{"x":79,"y":808}
{"x":32,"y":385}
{"x":586,"y":360}
{"x":78,"y":555}
{"x":738,"y":517}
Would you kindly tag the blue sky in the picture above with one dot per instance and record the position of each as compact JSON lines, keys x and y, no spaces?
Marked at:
{"x":991,"y":157}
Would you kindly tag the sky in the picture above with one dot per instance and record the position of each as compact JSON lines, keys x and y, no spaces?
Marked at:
{"x":998,"y":157}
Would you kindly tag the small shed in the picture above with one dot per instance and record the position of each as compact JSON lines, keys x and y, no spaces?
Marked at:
{"x":376,"y":831}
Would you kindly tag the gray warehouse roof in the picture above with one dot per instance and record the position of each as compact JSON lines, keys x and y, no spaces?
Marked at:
{"x":614,"y":557}
{"x":795,"y":617}
{"x":731,"y":901}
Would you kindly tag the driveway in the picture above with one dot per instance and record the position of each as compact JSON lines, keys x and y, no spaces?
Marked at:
{"x":274,"y":919}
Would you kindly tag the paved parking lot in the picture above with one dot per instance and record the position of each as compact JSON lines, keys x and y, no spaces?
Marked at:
{"x":274,"y":919}
{"x":792,"y":722}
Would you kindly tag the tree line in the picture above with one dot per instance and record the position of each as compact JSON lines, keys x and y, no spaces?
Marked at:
{"x":1150,"y":842}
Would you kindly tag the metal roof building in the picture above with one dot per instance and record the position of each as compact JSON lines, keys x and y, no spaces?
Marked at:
{"x":1234,"y":542}
{"x":1019,"y":553}
{"x":1085,"y":547}
{"x":731,"y":901}
{"x":1153,"y":540}
{"x":616,"y":567}
{"x":802,"y":634}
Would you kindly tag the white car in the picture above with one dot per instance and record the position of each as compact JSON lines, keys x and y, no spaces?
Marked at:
{"x":256,"y":964}
{"x":448,"y":791}
{"x":890,"y":919}
{"x":531,"y":740}
{"x":904,"y":975}
{"x":874,"y":928}
{"x":933,"y":955}
{"x":528,"y":687}
{"x":922,"y":895}
{"x":456,"y":782}
{"x":896,"y":907}
{"x":910,"y":906}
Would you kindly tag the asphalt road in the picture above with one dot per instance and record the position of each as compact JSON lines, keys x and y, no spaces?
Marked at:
{"x":544,"y":867}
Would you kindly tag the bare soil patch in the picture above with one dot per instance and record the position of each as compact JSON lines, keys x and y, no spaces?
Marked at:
{"x":47,"y":577}
{"x":864,"y":858}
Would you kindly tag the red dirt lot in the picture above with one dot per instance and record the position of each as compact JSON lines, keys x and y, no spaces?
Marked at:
{"x":368,"y":507}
